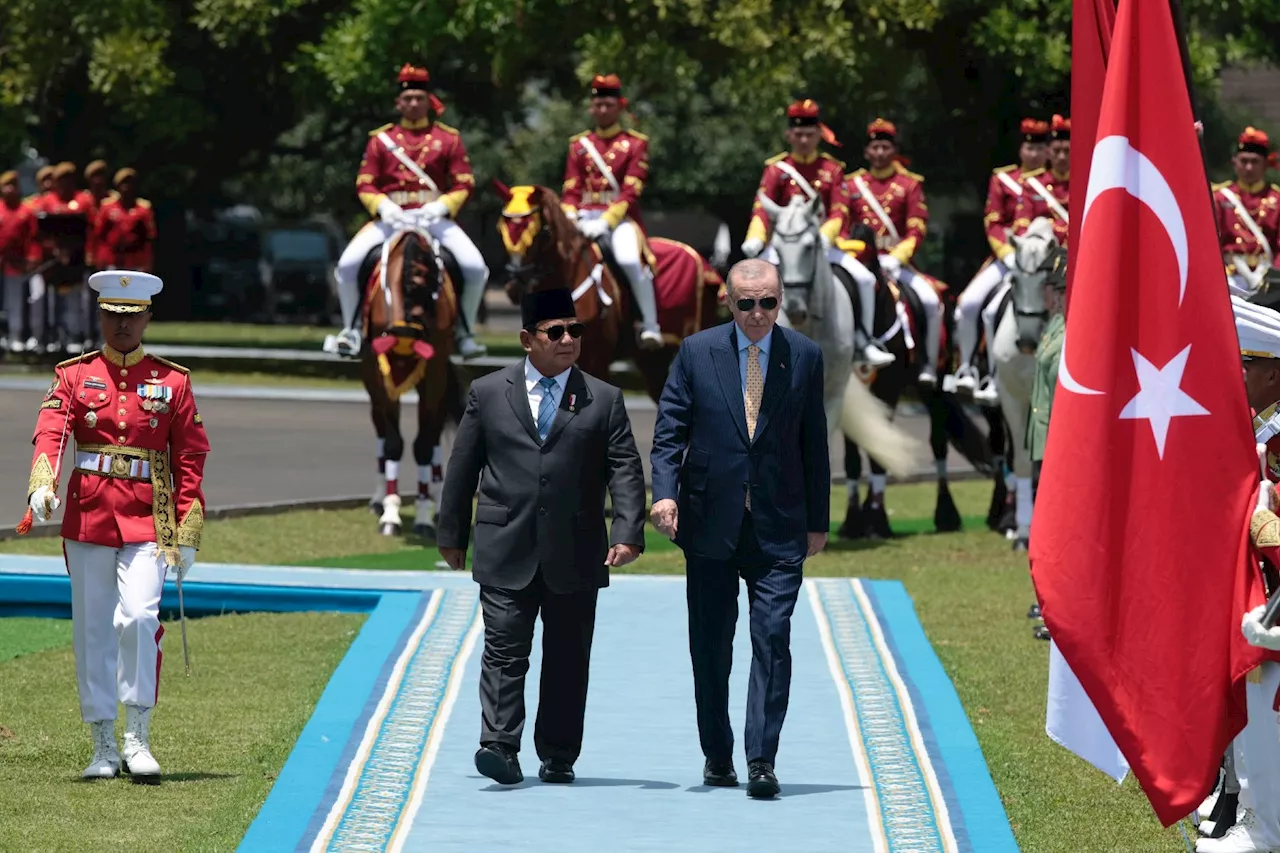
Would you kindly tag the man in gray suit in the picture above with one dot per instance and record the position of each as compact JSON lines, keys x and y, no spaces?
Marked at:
{"x":544,"y":440}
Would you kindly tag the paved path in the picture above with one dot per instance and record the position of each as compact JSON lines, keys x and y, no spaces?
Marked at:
{"x":281,"y":444}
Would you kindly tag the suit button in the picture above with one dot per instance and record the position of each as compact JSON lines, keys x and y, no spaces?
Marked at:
{"x":542,"y":510}
{"x":543,"y":480}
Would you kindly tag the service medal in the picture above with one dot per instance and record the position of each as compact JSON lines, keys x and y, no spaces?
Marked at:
{"x":91,"y":419}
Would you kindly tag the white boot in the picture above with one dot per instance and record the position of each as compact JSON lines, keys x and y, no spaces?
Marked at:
{"x":471,"y":297}
{"x":106,"y":756}
{"x":642,"y":289}
{"x":138,"y":760}
{"x":1241,"y":838}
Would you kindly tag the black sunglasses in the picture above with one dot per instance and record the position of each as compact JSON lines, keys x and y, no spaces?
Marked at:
{"x":556,"y":332}
{"x":768,"y":303}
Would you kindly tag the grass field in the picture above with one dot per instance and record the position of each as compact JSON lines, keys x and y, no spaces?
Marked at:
{"x":971,"y":593}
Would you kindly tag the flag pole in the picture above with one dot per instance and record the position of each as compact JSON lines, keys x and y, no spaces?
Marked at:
{"x":1179,"y":29}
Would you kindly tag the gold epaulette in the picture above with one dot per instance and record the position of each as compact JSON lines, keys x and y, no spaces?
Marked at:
{"x":1034,"y":172}
{"x":1221,"y":186}
{"x":1276,"y":187}
{"x":144,"y":204}
{"x":903,"y":170}
{"x":638,"y":135}
{"x":838,"y":162}
{"x":76,"y":359}
{"x":776,"y":158}
{"x":855,"y":174}
{"x":578,"y":136}
{"x":1000,"y":169}
{"x":170,"y":364}
{"x":447,"y":129}
{"x":378,"y":130}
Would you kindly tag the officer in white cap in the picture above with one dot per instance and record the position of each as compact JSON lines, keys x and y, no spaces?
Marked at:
{"x":134,"y":510}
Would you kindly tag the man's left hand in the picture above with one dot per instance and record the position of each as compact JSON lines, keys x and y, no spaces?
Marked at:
{"x":433,"y":211}
{"x":593,"y":229}
{"x":455,"y":557}
{"x":817,"y":541}
{"x":620,"y":555}
{"x":1263,"y":638}
{"x":188,"y":555}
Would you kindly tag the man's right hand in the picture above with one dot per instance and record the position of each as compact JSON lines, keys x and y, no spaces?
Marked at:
{"x":752,"y":247}
{"x":666,"y":517}
{"x":390,"y":212}
{"x":43,"y":502}
{"x":455,"y":557}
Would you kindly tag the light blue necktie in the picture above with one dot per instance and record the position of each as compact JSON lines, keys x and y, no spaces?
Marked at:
{"x":547,"y":408}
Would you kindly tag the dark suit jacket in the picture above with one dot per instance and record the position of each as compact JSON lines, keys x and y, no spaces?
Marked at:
{"x":542,"y":504}
{"x":786,"y":467}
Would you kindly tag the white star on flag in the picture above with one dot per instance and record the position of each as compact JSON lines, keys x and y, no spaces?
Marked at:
{"x":1160,"y":397}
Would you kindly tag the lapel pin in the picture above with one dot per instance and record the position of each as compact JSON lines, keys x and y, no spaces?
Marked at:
{"x":573,"y":401}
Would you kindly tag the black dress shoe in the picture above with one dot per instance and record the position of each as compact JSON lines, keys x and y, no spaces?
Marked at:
{"x":1041,"y":632}
{"x":498,"y":761}
{"x":555,"y":770}
{"x":1034,"y":612}
{"x":761,"y":783}
{"x":719,"y":774}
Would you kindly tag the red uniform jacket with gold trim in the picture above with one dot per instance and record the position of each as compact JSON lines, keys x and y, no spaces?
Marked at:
{"x":123,"y":408}
{"x":626,"y":153}
{"x":824,"y":173}
{"x":1001,"y":209}
{"x":125,"y":235}
{"x":18,"y":246}
{"x":438,"y":151}
{"x":1262,"y":203}
{"x":901,"y":196}
{"x":1032,"y":204}
{"x":81,"y":203}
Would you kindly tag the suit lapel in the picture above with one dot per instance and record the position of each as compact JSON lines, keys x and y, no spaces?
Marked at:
{"x":518,"y":397}
{"x":776,"y":380}
{"x":575,"y":397}
{"x":725,"y":356}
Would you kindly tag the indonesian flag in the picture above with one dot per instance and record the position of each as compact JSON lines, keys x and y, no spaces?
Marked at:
{"x":1139,"y":551}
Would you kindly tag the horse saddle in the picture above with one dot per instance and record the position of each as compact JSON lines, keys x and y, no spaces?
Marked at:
{"x":446,"y":258}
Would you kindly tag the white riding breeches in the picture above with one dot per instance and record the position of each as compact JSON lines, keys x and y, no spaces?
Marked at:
{"x":990,"y":314}
{"x":928,"y":297}
{"x":475,"y":274}
{"x":115,"y":623}
{"x":624,"y":242}
{"x":866,"y":281}
{"x":1236,"y":284}
{"x":969,"y":307}
{"x":1257,"y":756}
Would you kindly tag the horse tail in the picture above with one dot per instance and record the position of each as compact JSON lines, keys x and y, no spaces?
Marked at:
{"x":867,"y":422}
{"x":959,"y":428}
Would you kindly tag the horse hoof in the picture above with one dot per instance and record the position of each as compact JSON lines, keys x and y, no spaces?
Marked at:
{"x":389,"y":529}
{"x":946,"y":518}
{"x":375,"y":507}
{"x":425,"y":531}
{"x":877,"y":520}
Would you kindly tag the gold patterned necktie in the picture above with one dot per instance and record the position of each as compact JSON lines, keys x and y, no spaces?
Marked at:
{"x":752,"y":395}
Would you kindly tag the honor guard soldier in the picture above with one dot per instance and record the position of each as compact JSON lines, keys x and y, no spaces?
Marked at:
{"x":70,"y":301}
{"x":126,"y":227}
{"x":44,"y":184}
{"x":134,"y":510}
{"x":1003,"y":192}
{"x":1047,"y":192}
{"x":605,"y":174}
{"x":98,"y":178}
{"x":805,"y":172}
{"x":19,"y":253}
{"x":1248,"y":213}
{"x":414,"y":174}
{"x":891,"y":200}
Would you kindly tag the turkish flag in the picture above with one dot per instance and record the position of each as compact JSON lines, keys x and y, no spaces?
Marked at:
{"x":1139,"y":548}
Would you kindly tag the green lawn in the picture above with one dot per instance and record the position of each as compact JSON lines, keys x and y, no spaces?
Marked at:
{"x":971,"y":593}
{"x":220,"y":736}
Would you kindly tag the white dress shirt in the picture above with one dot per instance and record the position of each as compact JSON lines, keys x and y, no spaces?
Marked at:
{"x":535,"y":391}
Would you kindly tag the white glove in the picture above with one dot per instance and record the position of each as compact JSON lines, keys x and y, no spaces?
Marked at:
{"x":752,"y":247}
{"x":43,"y":502}
{"x":825,"y":241}
{"x":433,"y":211}
{"x":188,"y":555}
{"x":1266,"y":496}
{"x":593,"y":229}
{"x":1263,"y":638}
{"x":890,"y":266}
{"x":390,"y":212}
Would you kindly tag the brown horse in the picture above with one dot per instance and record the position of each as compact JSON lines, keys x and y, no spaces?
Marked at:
{"x":547,"y":251}
{"x":409,"y":309}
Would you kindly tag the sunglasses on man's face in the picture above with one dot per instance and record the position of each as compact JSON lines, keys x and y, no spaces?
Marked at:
{"x":556,"y":332}
{"x":767,"y":304}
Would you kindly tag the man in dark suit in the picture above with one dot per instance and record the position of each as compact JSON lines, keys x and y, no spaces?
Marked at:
{"x":742,"y":483}
{"x":548,"y":440}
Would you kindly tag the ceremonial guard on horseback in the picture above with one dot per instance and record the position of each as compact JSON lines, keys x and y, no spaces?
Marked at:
{"x":1003,"y":192}
{"x":1046,"y":192}
{"x":806,"y":173}
{"x":605,"y":174}
{"x":1248,"y":214}
{"x":414,"y":174}
{"x":890,"y":200}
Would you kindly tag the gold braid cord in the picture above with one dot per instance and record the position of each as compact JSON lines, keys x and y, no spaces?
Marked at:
{"x":1264,"y":529}
{"x":192,"y":525}
{"x":162,"y":508}
{"x":41,"y":475}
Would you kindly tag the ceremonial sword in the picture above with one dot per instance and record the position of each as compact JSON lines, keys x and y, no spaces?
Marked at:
{"x":182,"y":619}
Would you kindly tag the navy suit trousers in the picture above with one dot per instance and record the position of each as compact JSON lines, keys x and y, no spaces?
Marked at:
{"x":712,"y":587}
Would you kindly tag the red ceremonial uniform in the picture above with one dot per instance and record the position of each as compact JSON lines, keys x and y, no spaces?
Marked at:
{"x":1262,"y":204}
{"x":1003,"y":193}
{"x":125,"y":235}
{"x":823,"y":172}
{"x":81,"y":203}
{"x":18,"y":246}
{"x":438,"y":151}
{"x":626,"y":155}
{"x":901,"y":196}
{"x":139,"y":449}
{"x":1033,"y":204}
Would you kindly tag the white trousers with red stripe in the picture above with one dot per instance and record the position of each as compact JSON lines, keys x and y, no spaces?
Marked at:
{"x":115,"y":621}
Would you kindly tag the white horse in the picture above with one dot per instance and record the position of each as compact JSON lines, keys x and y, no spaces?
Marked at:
{"x":815,"y":304}
{"x":1013,"y":351}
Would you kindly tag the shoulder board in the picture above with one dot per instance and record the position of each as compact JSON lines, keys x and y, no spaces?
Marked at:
{"x":1034,"y":173}
{"x":447,"y":129}
{"x":856,"y":174}
{"x":171,"y":364}
{"x":903,"y":170}
{"x":578,"y":136}
{"x":776,"y":158}
{"x":144,"y":204}
{"x":378,"y":130}
{"x":840,"y":163}
{"x":1275,"y":188}
{"x":82,"y":357}
{"x":638,"y":135}
{"x":1008,"y":168}
{"x":1221,"y":186}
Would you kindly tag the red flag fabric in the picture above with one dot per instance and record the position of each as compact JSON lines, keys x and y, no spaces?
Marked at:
{"x":1139,"y":551}
{"x":1092,"y":22}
